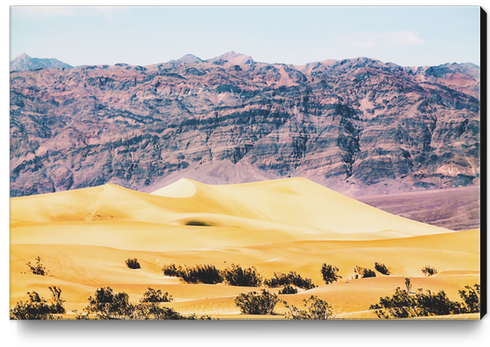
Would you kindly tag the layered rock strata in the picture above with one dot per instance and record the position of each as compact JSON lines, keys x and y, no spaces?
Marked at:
{"x":359,"y":126}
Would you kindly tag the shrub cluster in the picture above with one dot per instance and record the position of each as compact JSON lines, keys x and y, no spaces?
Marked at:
{"x":381,"y":268}
{"x":471,"y":298}
{"x":429,"y":270}
{"x":291,"y":278}
{"x":152,"y":295}
{"x":288,"y":289}
{"x":255,"y":303}
{"x":133,"y":263}
{"x":36,"y":308}
{"x":153,"y":311}
{"x":171,"y":270}
{"x":329,"y":273}
{"x":38,"y":269}
{"x":315,"y":309}
{"x":107,"y":305}
{"x":199,"y":274}
{"x":236,"y":276}
{"x":363,"y":272}
{"x":405,"y":305}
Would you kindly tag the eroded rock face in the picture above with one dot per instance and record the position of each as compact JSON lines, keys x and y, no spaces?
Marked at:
{"x":357,"y":126}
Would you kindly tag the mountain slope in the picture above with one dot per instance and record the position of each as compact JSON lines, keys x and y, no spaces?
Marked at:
{"x":25,"y":63}
{"x":359,"y":126}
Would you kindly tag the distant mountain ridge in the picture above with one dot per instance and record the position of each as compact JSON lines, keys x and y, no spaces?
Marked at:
{"x":358,"y":126}
{"x":25,"y":63}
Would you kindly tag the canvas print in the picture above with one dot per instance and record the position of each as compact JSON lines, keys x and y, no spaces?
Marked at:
{"x":235,"y":163}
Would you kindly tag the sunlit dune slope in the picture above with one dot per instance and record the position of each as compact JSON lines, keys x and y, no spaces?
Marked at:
{"x":293,"y":207}
{"x":93,"y":264}
{"x":107,"y":202}
{"x":191,"y":215}
{"x":85,"y":236}
{"x":80,"y":269}
{"x":297,"y":202}
{"x":294,"y":202}
{"x":301,"y":202}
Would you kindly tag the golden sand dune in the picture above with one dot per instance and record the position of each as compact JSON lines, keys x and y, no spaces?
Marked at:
{"x":288,"y":203}
{"x":84,"y":237}
{"x":297,"y":202}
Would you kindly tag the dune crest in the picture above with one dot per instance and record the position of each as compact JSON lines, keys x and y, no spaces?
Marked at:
{"x":300,"y":202}
{"x":296,"y":206}
{"x":183,"y":188}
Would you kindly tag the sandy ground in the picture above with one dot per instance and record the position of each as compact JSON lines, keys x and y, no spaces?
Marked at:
{"x":84,"y":237}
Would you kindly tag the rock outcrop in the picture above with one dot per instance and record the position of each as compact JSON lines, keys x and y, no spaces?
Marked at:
{"x":359,"y":126}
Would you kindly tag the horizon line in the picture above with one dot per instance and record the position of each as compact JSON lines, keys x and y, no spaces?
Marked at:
{"x":244,"y":55}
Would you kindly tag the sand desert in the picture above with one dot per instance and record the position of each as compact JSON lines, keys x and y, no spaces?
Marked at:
{"x":84,"y":236}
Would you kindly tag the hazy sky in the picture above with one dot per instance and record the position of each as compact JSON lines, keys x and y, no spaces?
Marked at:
{"x":295,"y":35}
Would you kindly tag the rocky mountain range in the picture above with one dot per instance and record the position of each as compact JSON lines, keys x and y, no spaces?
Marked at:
{"x":359,"y":126}
{"x":25,"y":63}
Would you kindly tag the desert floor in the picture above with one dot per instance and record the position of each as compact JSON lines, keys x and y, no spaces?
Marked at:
{"x":84,"y":237}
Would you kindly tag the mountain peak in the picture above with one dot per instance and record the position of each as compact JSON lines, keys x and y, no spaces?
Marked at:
{"x":25,"y":63}
{"x":23,"y":56}
{"x":232,"y":58}
{"x":190,"y":59}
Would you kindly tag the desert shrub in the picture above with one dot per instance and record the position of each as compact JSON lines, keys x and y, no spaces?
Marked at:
{"x":38,"y":269}
{"x":429,"y":270}
{"x":208,"y":274}
{"x":400,"y":305}
{"x":471,"y":298}
{"x":57,"y":305}
{"x":203,"y":274}
{"x":408,"y":285}
{"x":152,"y":295}
{"x":329,"y":273}
{"x":405,"y":305}
{"x":291,"y":278}
{"x":276,"y":281}
{"x":106,"y":304}
{"x":368,"y":273}
{"x":133,"y":263}
{"x":438,"y":304}
{"x":288,"y":289}
{"x":36,"y":308}
{"x":298,"y":281}
{"x":255,"y":303}
{"x":363,"y":272}
{"x":153,"y":311}
{"x":236,"y":276}
{"x":315,"y":309}
{"x":121,"y":307}
{"x":171,"y":270}
{"x":381,"y":268}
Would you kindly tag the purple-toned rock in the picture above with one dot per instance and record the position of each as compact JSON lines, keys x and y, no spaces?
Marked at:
{"x":359,"y":126}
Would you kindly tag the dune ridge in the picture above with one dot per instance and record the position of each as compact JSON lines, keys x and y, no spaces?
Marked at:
{"x":294,"y":202}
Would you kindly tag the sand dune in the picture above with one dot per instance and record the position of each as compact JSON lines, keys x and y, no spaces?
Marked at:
{"x":84,"y":237}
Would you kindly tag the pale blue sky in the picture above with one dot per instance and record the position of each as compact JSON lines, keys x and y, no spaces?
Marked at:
{"x":146,"y":35}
